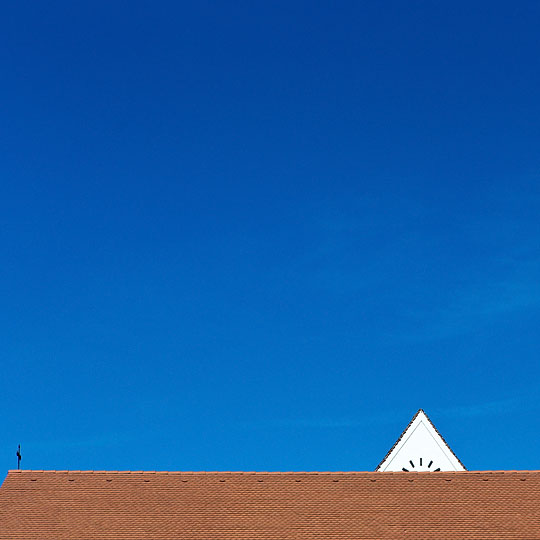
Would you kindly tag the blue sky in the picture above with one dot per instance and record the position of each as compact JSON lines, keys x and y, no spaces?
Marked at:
{"x":261,"y":235}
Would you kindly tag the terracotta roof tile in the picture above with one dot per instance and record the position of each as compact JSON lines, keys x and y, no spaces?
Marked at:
{"x":107,"y":505}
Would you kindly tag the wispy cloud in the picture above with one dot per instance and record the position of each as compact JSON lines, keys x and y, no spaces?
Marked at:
{"x":480,"y":303}
{"x":99,"y":440}
{"x":419,"y":271}
{"x":393,"y":416}
{"x":490,"y":408}
{"x":328,"y":422}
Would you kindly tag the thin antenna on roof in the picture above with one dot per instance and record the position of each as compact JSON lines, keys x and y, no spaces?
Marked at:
{"x":19,"y":457}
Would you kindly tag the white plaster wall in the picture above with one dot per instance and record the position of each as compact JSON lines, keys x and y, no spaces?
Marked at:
{"x":421,"y":440}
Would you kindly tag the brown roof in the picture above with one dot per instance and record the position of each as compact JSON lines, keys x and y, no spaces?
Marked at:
{"x":104,"y":505}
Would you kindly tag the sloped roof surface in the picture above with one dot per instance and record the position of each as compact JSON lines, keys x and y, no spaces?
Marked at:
{"x":269,"y":506}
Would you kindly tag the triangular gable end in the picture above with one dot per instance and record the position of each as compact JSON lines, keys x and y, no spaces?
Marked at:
{"x":420,"y":448}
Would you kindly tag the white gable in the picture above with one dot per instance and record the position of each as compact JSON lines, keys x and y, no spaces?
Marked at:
{"x":420,"y":448}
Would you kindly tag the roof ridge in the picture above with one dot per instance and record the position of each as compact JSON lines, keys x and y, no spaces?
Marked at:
{"x":314,"y":473}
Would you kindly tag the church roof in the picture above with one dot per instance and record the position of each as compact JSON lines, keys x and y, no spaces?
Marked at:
{"x":107,"y":505}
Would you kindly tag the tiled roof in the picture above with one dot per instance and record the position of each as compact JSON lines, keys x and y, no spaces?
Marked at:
{"x":103,"y":505}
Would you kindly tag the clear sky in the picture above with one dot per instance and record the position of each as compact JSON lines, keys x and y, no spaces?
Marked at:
{"x":261,"y":235}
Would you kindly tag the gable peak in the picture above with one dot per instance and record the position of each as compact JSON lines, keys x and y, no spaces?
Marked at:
{"x":420,"y":448}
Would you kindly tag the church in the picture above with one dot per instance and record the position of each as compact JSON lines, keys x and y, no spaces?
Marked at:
{"x":419,"y":491}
